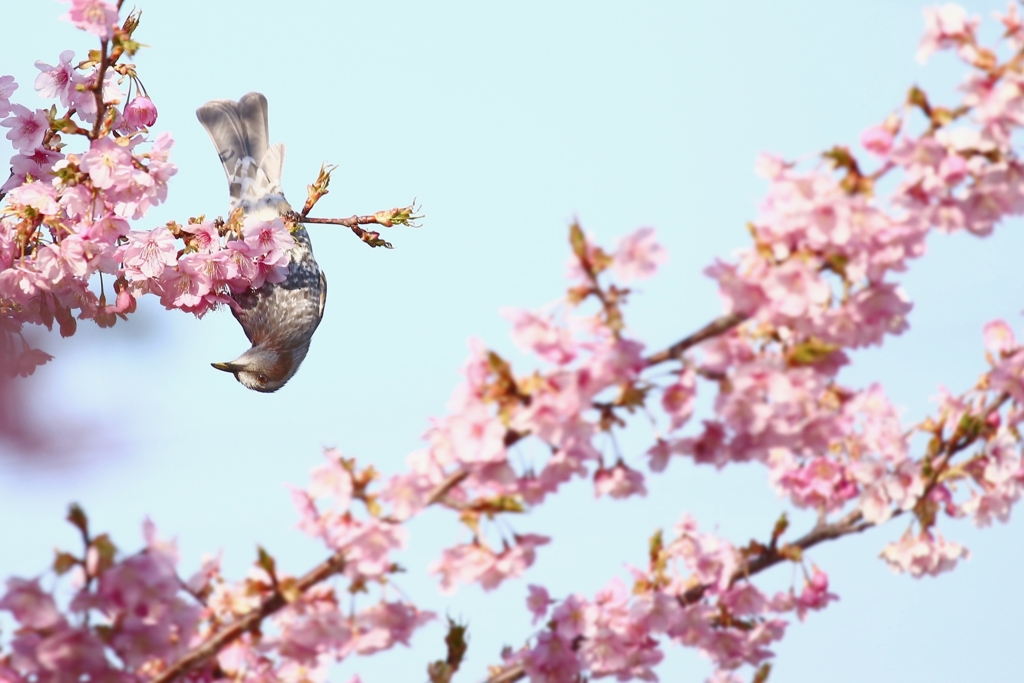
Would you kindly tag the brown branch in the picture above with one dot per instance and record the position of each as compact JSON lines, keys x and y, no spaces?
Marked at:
{"x":101,"y":106}
{"x":445,"y":486}
{"x":274,"y":603}
{"x":712,"y":329}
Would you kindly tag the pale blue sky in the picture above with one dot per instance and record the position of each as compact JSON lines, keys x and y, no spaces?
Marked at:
{"x":506,"y":120}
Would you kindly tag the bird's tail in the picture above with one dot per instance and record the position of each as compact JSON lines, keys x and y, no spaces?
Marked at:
{"x":241,"y":134}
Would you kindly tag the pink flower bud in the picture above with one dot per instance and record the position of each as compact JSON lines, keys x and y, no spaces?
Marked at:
{"x":140,"y":113}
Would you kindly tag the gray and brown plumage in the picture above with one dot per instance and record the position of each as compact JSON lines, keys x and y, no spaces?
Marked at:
{"x":279,"y":319}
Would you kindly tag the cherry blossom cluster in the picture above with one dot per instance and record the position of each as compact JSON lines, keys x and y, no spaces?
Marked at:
{"x":66,"y":218}
{"x":819,"y":280}
{"x":135,"y":610}
{"x":132,"y":618}
{"x":618,"y":632}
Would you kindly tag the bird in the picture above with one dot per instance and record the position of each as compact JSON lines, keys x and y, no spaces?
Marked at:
{"x":279,"y":319}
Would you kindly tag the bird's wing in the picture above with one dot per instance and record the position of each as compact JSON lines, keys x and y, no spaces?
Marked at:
{"x":323,"y":294}
{"x":247,"y":312}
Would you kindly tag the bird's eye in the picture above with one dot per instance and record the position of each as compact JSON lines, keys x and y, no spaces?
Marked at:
{"x":261,"y":378}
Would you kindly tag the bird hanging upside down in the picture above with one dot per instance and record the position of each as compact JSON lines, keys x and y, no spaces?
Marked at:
{"x":279,"y":319}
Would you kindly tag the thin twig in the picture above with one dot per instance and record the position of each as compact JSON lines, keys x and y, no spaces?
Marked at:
{"x":350,"y":222}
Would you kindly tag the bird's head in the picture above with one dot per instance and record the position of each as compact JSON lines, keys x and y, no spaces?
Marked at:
{"x":261,"y":369}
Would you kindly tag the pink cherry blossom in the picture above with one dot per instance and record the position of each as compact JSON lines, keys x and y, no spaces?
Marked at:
{"x":738,"y":294}
{"x":148,"y":254}
{"x":21,"y":284}
{"x":269,"y":238}
{"x":370,"y":544}
{"x":1000,"y":475}
{"x":619,"y":482}
{"x":538,"y":602}
{"x":108,"y":229}
{"x":205,"y":236}
{"x":999,"y":337}
{"x":539,"y":334}
{"x":1008,"y":375}
{"x":945,"y":27}
{"x":38,"y":164}
{"x":614,"y":360}
{"x":476,"y":436}
{"x":1013,"y":26}
{"x":30,"y":605}
{"x":383,"y":625}
{"x":7,"y":88}
{"x":27,"y":127}
{"x":924,"y":553}
{"x":551,"y":660}
{"x":821,"y":483}
{"x":67,"y":259}
{"x":678,"y":398}
{"x":185,"y":285}
{"x":638,"y":255}
{"x":469,"y":563}
{"x":711,"y":559}
{"x":40,"y":197}
{"x":57,"y":82}
{"x":815,"y":595}
{"x":877,"y":140}
{"x":97,"y":17}
{"x":769,"y":166}
{"x":108,"y":164}
{"x":721,"y":676}
{"x":247,"y":272}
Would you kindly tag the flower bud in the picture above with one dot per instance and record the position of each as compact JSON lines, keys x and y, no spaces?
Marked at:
{"x":139,"y":113}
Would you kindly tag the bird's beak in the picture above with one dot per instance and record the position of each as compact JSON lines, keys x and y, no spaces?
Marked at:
{"x":227,"y":367}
